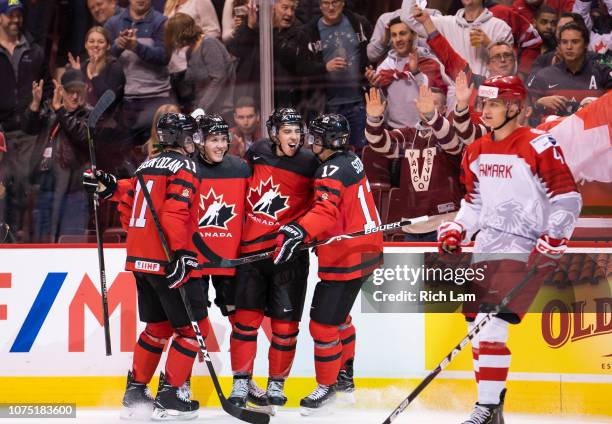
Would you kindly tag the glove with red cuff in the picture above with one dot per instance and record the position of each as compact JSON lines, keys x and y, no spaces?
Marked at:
{"x":547,"y":252}
{"x":179,"y":270}
{"x":450,"y":236}
{"x":288,"y":239}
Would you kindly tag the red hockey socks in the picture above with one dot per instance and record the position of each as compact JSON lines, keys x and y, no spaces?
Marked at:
{"x":282,"y":348}
{"x":493,"y":361}
{"x":182,"y":353}
{"x":347,"y":336}
{"x":243,"y":343}
{"x":148,"y":350}
{"x":327,"y":352}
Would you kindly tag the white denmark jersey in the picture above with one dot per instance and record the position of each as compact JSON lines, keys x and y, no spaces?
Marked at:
{"x":517,"y":188}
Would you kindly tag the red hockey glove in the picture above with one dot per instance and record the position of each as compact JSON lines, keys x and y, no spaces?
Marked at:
{"x":178,"y":271}
{"x":288,"y":239}
{"x":103,"y":183}
{"x":450,"y":236}
{"x":547,"y":252}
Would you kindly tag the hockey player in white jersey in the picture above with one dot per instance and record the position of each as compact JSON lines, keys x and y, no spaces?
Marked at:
{"x":523,"y":199}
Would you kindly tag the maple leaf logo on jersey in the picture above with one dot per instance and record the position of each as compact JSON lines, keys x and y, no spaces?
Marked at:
{"x":267,"y":200}
{"x":217,"y":213}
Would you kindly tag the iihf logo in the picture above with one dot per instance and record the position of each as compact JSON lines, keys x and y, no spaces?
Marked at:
{"x":217,"y":213}
{"x":267,"y":200}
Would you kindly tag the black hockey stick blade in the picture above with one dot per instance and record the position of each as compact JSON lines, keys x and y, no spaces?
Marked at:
{"x":103,"y":103}
{"x":459,"y":347}
{"x":218,"y":262}
{"x":243,"y":414}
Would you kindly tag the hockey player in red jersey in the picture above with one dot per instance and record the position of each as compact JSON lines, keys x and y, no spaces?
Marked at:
{"x":171,"y":180}
{"x":343,"y":204}
{"x":280,"y":191}
{"x":221,"y":199}
{"x":522,"y":198}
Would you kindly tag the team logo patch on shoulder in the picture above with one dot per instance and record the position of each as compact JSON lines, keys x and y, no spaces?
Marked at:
{"x":267,"y":200}
{"x":216,"y":213}
{"x":542,"y":143}
{"x":186,"y":192}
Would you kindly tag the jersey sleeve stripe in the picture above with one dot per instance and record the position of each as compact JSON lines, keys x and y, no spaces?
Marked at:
{"x":178,"y":197}
{"x":328,"y":190}
{"x":184,"y":183}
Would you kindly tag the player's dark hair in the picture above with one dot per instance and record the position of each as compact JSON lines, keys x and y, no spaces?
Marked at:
{"x":573,"y":26}
{"x":395,"y":21}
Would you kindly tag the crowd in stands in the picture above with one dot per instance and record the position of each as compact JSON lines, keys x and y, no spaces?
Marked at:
{"x":405,"y":74}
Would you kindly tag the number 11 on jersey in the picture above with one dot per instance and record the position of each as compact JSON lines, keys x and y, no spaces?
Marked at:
{"x":141,"y":221}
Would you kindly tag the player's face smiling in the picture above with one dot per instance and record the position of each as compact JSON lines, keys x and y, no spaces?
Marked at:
{"x":214,"y":148}
{"x":288,"y":140}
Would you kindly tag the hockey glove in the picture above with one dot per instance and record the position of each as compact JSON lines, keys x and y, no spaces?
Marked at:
{"x":288,"y":238}
{"x":179,"y":270}
{"x":450,"y":236}
{"x":547,"y":252}
{"x":103,"y":183}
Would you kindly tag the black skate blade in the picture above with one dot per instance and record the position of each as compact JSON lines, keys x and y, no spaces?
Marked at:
{"x":245,"y":415}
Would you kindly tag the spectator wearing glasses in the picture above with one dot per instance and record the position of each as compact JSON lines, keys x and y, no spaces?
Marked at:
{"x":559,"y":89}
{"x":61,"y":203}
{"x":335,"y":64}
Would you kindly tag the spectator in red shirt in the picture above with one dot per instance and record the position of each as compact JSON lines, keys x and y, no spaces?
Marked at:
{"x":545,"y":23}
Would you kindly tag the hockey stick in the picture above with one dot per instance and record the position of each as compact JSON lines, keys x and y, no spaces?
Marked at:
{"x":219,"y":262}
{"x":235,"y":411}
{"x":103,"y":103}
{"x":448,"y":358}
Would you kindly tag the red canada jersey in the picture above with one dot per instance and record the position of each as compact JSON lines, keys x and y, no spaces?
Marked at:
{"x":280,"y":191}
{"x":220,"y":202}
{"x":344,"y":204}
{"x":172,"y":183}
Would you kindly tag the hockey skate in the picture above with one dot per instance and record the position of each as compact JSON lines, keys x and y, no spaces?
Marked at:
{"x":488,"y":414}
{"x":137,"y":400}
{"x":345,"y":386}
{"x":240,"y":391}
{"x":173,"y":403}
{"x":276,"y":396}
{"x":319,"y":402}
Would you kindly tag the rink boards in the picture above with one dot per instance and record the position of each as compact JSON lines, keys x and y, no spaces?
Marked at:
{"x":52,"y":344}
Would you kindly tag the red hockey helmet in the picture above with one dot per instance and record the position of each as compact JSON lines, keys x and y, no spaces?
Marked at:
{"x":506,"y":88}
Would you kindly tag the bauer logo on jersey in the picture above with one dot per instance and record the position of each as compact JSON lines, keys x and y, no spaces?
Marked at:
{"x":215,"y":213}
{"x":267,"y":200}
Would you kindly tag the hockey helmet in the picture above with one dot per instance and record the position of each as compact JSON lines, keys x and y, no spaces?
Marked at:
{"x":213,"y":124}
{"x":507,"y":88}
{"x":284,"y":116}
{"x":331,"y":129}
{"x":177,"y":130}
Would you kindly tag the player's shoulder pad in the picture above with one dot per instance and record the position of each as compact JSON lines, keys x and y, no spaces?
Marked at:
{"x":167,"y":163}
{"x":541,"y":141}
{"x":345,"y":167}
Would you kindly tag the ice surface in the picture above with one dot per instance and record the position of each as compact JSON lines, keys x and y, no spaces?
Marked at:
{"x":344,"y":416}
